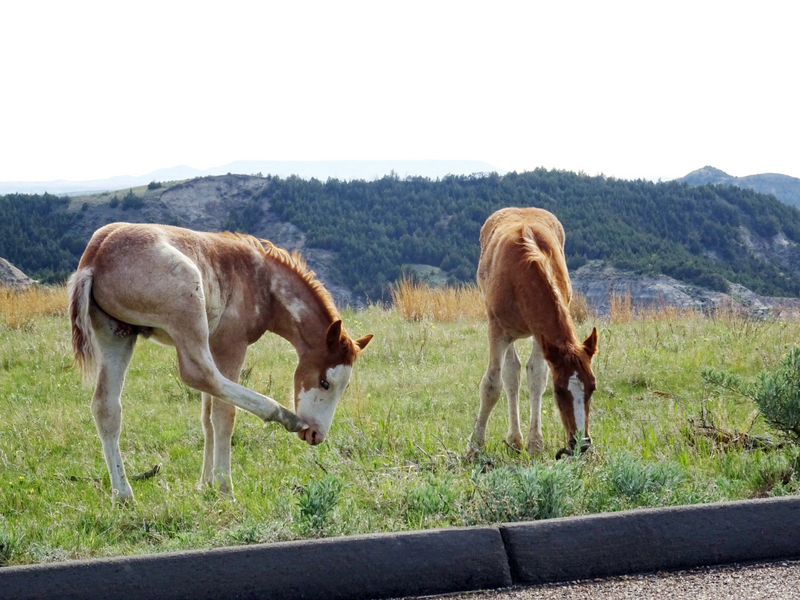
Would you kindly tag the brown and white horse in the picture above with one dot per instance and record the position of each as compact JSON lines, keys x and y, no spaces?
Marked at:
{"x":523,"y":277}
{"x":210,"y":295}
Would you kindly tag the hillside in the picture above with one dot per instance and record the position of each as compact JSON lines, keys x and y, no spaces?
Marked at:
{"x":361,"y":236}
{"x":321,"y":169}
{"x":783,"y":187}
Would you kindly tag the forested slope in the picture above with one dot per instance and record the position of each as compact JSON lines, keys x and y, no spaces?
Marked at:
{"x":706,"y":235}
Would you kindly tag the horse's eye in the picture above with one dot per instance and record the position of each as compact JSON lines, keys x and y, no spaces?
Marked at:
{"x":323,"y":383}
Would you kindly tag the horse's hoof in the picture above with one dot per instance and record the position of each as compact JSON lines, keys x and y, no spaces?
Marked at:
{"x":290,"y":421}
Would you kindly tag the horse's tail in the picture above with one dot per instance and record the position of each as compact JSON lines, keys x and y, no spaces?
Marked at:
{"x":83,"y":337}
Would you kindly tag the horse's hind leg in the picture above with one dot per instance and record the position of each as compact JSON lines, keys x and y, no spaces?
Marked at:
{"x":511,"y":367}
{"x":537,"y":380}
{"x":490,"y":386}
{"x":116,"y":341}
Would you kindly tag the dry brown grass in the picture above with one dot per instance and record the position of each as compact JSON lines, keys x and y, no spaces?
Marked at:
{"x":416,"y":301}
{"x":579,"y":308}
{"x":20,"y":308}
{"x":621,"y":310}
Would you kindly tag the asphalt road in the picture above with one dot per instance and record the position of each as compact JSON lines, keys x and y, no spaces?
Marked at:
{"x":768,"y":581}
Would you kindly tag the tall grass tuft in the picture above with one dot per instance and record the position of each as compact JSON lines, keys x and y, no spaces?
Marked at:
{"x":621,"y":310}
{"x":20,"y":308}
{"x":416,"y":301}
{"x":579,"y":308}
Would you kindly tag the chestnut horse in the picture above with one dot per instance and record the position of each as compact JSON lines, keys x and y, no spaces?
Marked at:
{"x":210,"y":295}
{"x":524,"y":281}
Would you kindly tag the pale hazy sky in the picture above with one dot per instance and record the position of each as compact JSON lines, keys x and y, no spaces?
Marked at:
{"x":629,"y":89}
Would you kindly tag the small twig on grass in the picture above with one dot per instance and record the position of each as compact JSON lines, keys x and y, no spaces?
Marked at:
{"x":734,"y":438}
{"x":319,"y":464}
{"x":446,"y":449}
{"x":92,"y":479}
{"x":147,"y":474}
{"x":423,"y":451}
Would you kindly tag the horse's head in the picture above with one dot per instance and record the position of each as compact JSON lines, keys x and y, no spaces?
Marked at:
{"x":573,"y":382}
{"x":321,"y":378}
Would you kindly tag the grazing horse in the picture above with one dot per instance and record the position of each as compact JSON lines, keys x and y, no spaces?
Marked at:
{"x":523,"y":278}
{"x":210,"y":295}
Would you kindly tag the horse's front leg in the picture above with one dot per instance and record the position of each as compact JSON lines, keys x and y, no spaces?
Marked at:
{"x":223,"y":418}
{"x":511,"y":369}
{"x":207,"y":476}
{"x":490,"y":388}
{"x":537,"y":381}
{"x":218,"y":419}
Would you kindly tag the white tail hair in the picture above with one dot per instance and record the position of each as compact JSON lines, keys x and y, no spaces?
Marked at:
{"x":84,"y":345}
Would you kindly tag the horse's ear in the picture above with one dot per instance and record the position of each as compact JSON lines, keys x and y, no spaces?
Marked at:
{"x":550,"y":351}
{"x":334,"y":334}
{"x":590,"y":344}
{"x":363,"y":341}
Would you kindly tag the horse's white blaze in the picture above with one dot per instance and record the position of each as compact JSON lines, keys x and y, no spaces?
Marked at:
{"x":318,"y":405}
{"x":578,"y":402}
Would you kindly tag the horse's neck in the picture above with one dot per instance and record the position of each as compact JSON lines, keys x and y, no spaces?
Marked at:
{"x":559,"y":330}
{"x":552,"y":307}
{"x":297,"y":313}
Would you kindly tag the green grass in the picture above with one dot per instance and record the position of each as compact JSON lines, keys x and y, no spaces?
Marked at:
{"x":394,"y":457}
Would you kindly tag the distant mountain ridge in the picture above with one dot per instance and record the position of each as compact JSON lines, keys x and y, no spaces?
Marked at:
{"x":345,"y":170}
{"x":361,"y":236}
{"x":784,"y":187}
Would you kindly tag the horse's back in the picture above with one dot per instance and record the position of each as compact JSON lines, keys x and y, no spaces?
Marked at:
{"x":143,"y":273}
{"x":522,"y":266}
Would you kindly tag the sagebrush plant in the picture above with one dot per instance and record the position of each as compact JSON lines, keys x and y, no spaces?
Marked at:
{"x":523,"y":493}
{"x":316,"y":503}
{"x":775,"y":392}
{"x":395,"y":456}
{"x":632,"y":477}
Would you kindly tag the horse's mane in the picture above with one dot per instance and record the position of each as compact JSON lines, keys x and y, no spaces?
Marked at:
{"x":535,"y":255}
{"x":296,"y":263}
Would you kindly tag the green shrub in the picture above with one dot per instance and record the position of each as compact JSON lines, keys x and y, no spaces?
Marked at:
{"x":430,"y":502}
{"x":539,"y":491}
{"x":316,"y":504}
{"x":776,"y":393}
{"x":632,"y":477}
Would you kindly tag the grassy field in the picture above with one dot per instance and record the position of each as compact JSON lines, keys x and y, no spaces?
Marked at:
{"x":395,"y":456}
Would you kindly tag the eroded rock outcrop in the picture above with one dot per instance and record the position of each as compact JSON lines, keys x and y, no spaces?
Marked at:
{"x":598,"y":282}
{"x":12,"y":277}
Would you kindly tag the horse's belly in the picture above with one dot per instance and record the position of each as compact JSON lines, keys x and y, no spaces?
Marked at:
{"x":160,"y":336}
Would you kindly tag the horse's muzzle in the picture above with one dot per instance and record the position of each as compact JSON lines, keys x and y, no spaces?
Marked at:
{"x":311,"y":435}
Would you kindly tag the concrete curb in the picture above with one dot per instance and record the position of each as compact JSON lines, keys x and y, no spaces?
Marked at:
{"x":434,"y":561}
{"x":653,"y":539}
